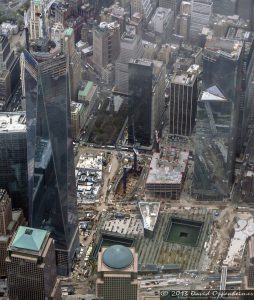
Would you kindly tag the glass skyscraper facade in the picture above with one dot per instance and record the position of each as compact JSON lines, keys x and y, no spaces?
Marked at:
{"x":218,"y":136}
{"x":51,"y":176}
{"x":223,"y":68}
{"x":13,"y":158}
{"x":140,"y":101}
{"x":146,"y":104}
{"x":214,"y":159}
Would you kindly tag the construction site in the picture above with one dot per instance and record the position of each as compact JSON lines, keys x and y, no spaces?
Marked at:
{"x":129,"y":177}
{"x":167,"y":173}
{"x":157,"y":248}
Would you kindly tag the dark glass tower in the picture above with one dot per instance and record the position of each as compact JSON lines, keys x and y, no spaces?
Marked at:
{"x":140,"y":101}
{"x":214,"y":158}
{"x":223,"y":68}
{"x":51,"y":177}
{"x":219,"y":119}
{"x":146,"y":106}
{"x":13,"y":163}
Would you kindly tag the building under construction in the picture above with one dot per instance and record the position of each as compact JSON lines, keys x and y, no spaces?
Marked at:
{"x":167,"y":174}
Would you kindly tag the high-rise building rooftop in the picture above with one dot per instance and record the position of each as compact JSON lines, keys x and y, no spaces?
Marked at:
{"x":225,"y":47}
{"x":12,"y":122}
{"x":29,"y":239}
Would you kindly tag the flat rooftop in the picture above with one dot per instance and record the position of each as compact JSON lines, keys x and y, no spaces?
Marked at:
{"x":128,"y":36}
{"x":168,"y":168}
{"x":131,"y":226}
{"x":149,"y":212}
{"x":86,"y":90}
{"x":141,"y":61}
{"x":244,"y":228}
{"x":161,"y":13}
{"x":11,"y":122}
{"x":225,"y":47}
{"x":90,"y":162}
{"x":109,"y":26}
{"x":75,"y":107}
{"x":184,"y":78}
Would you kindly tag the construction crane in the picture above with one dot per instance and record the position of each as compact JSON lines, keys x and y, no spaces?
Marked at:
{"x":125,"y":163}
{"x":135,"y":162}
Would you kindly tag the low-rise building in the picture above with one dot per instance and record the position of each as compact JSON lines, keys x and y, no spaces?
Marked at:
{"x":87,"y":93}
{"x":89,"y":178}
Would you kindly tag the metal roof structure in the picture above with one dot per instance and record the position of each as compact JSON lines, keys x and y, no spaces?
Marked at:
{"x":29,"y":239}
{"x":117,"y":257}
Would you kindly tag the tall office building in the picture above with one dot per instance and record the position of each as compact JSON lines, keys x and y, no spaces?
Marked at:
{"x":201,"y":12}
{"x":37,"y":9}
{"x":162,"y":21}
{"x":74,"y":61}
{"x":214,"y":146}
{"x":143,"y":7}
{"x":225,"y":7}
{"x":183,"y":98}
{"x":106,"y":44}
{"x":13,"y":158}
{"x":249,"y":79}
{"x":51,"y":178}
{"x":146,"y":99}
{"x":245,"y":9}
{"x":31,"y":266}
{"x":182,"y":24}
{"x":9,"y":70}
{"x":115,"y":13}
{"x":117,"y":273}
{"x":217,"y":131}
{"x":223,"y":67}
{"x":131,"y":47}
{"x":9,"y":222}
{"x":172,"y":4}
